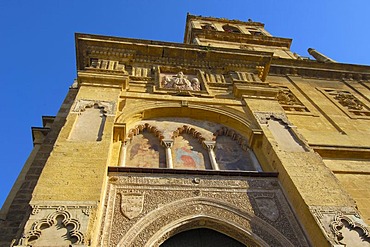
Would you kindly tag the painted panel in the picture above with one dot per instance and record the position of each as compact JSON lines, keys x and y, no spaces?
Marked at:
{"x":145,"y":151}
{"x":189,"y":154}
{"x":230,"y":156}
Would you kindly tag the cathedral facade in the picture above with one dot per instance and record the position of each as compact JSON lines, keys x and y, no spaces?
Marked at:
{"x":229,"y":139}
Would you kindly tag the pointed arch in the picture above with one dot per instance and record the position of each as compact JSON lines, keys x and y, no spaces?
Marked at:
{"x":164,"y":222}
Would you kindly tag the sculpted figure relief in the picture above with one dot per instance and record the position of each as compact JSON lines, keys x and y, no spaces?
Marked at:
{"x":180,"y":81}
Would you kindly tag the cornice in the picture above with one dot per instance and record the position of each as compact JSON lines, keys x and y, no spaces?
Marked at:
{"x":190,"y":17}
{"x":127,"y":50}
{"x":314,"y":69}
{"x":242,"y":38}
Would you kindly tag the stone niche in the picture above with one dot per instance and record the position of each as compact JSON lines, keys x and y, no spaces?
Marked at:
{"x":146,"y":210}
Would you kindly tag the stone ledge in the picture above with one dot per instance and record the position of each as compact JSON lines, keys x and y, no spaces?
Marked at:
{"x":191,"y":172}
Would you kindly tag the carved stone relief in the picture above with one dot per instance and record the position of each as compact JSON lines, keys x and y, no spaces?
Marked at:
{"x":289,"y":101}
{"x":347,"y":102}
{"x":251,"y":210}
{"x":180,"y":81}
{"x":60,"y":225}
{"x":131,"y":204}
{"x":343,"y":225}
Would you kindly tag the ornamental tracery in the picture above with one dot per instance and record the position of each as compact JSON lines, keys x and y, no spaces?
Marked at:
{"x":60,"y":219}
{"x":342,"y":223}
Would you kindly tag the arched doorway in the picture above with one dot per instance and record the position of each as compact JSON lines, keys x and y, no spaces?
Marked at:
{"x":201,"y":237}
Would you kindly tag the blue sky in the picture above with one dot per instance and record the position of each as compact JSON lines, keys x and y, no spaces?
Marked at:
{"x":37,"y":63}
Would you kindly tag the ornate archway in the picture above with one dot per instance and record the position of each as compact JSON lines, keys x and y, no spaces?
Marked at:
{"x":159,"y":225}
{"x":201,"y":237}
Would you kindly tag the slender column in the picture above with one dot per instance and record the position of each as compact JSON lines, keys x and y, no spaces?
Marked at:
{"x":168,"y":143}
{"x":122,"y":154}
{"x":210,"y":145}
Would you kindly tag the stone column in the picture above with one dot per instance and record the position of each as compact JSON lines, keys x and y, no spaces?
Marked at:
{"x":168,"y":143}
{"x":210,"y":145}
{"x":122,"y":154}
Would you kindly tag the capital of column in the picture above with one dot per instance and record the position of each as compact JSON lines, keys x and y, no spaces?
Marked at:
{"x":209,"y":145}
{"x":167,"y":143}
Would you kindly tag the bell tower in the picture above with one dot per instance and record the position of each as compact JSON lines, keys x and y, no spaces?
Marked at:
{"x":228,"y":139}
{"x":235,"y":34}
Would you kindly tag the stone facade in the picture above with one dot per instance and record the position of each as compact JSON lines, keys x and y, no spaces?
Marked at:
{"x":230,"y":131}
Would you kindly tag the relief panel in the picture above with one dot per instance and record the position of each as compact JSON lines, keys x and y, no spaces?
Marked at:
{"x":347,"y":102}
{"x":289,"y":101}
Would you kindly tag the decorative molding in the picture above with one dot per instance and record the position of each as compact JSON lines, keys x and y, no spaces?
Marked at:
{"x":308,"y":69}
{"x":224,"y":131}
{"x":73,"y":225}
{"x":189,"y":130}
{"x":140,"y":128}
{"x":81,"y":104}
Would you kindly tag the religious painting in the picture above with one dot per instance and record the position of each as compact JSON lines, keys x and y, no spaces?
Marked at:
{"x":189,"y":154}
{"x":145,"y":151}
{"x":230,"y":156}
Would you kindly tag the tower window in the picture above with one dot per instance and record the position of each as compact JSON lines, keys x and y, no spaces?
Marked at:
{"x":230,"y":29}
{"x":208,"y":26}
